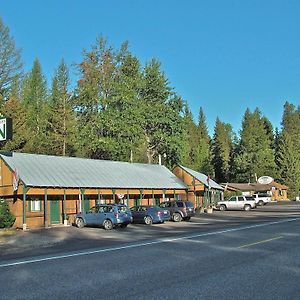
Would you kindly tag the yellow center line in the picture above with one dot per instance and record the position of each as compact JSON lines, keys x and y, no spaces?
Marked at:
{"x":261,"y":242}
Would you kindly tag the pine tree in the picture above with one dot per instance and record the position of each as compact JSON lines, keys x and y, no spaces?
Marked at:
{"x":162,"y":124}
{"x":222,"y":147}
{"x":10,"y":62}
{"x":62,"y":115}
{"x":288,"y":154}
{"x":255,"y":152}
{"x":106,"y":101}
{"x":203,"y":149}
{"x":14,"y":109}
{"x":190,"y":140}
{"x":37,"y":110}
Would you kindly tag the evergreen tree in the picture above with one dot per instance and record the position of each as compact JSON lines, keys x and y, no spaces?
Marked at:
{"x":162,"y":124}
{"x":222,"y":147}
{"x":203,"y":149}
{"x":10,"y":61}
{"x":255,"y":154}
{"x":288,"y":154}
{"x":106,"y":101}
{"x":14,"y":109}
{"x":37,"y":110}
{"x":190,"y":140}
{"x":62,"y":115}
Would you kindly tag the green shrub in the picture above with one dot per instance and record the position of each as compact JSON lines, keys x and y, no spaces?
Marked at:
{"x":7,"y":219}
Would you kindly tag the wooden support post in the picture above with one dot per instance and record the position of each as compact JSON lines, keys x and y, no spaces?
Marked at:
{"x":98,"y":198}
{"x":25,"y":190}
{"x":46,"y":221}
{"x":141,"y":196}
{"x":114,"y":195}
{"x":82,"y":200}
{"x":64,"y":209}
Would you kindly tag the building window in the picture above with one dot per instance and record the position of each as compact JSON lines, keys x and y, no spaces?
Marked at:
{"x":35,"y":205}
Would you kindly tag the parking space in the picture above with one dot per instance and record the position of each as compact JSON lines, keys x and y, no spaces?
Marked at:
{"x":66,"y":238}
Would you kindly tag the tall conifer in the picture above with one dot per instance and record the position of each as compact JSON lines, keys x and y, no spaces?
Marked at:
{"x":288,"y":154}
{"x":222,"y":146}
{"x":35,"y":101}
{"x":62,"y":115}
{"x":255,"y":153}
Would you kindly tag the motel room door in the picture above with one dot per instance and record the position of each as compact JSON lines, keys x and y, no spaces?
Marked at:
{"x":54,"y":212}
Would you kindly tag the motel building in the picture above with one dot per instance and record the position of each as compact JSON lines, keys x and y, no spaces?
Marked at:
{"x":44,"y":190}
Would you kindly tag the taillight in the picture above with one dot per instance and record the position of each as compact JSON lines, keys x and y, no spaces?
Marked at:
{"x":159,"y":213}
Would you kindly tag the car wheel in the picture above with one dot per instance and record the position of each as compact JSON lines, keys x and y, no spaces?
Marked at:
{"x":247,"y":207}
{"x":108,"y":225}
{"x":148,"y":220}
{"x":260,"y":203}
{"x":222,"y":207}
{"x":79,"y":222}
{"x":177,"y":217}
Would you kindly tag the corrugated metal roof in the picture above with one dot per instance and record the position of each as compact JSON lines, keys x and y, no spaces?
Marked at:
{"x":203,"y":178}
{"x":70,"y":172}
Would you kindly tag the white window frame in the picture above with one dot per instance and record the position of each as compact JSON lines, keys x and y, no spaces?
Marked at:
{"x":35,"y":205}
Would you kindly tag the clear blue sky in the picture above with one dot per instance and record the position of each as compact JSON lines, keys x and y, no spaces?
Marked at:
{"x":223,"y":55}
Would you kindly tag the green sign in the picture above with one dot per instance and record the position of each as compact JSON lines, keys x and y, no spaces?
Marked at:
{"x":5,"y":129}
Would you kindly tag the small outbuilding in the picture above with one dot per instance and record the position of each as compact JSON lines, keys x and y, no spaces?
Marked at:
{"x":202,"y":190}
{"x":45,"y":190}
{"x":275,"y":190}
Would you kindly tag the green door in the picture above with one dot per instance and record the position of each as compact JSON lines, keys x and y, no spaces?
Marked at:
{"x":54,"y":212}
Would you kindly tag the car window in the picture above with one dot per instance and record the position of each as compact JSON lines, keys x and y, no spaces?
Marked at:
{"x":240,"y":198}
{"x":94,"y":209}
{"x":122,"y":209}
{"x":250,"y":198}
{"x":231,"y":199}
{"x":180,"y":204}
{"x":107,"y":209}
{"x":101,"y":209}
{"x":134,"y":208}
{"x":189,"y":204}
{"x":262,"y":195}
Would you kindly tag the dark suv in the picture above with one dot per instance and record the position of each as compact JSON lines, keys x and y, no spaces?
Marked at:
{"x":179,"y":210}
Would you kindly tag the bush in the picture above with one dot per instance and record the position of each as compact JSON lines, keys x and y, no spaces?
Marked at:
{"x":7,"y":219}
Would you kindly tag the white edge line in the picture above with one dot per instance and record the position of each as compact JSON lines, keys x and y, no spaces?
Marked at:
{"x":142,"y":244}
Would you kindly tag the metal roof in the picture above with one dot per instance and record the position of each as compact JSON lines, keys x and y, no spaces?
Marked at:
{"x":254,"y":186}
{"x":71,"y":172}
{"x":203,"y":178}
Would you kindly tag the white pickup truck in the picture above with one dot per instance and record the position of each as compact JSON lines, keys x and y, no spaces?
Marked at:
{"x":262,"y":198}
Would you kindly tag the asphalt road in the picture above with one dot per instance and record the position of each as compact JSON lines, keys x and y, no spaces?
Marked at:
{"x":226,"y":255}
